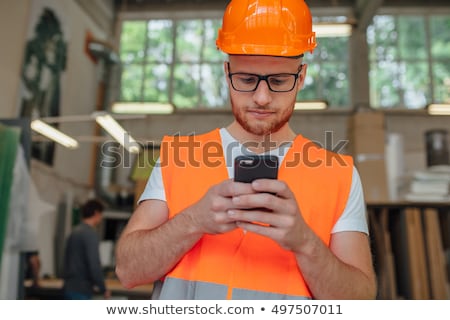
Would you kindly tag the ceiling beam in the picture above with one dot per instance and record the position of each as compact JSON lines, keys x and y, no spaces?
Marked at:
{"x":102,"y":13}
{"x":364,"y":12}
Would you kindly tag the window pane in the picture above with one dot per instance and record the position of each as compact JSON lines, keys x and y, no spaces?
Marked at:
{"x":214,"y":89}
{"x":382,"y":38}
{"x":160,"y":41}
{"x":327,"y":80}
{"x":384,"y":84}
{"x":132,"y":41}
{"x":156,"y":85}
{"x":403,"y":80}
{"x":441,"y":78}
{"x":415,"y":84}
{"x":189,"y":40}
{"x":210,"y":52}
{"x":186,"y":79}
{"x":335,"y":49}
{"x":440,"y":36}
{"x":311,"y":85}
{"x":131,"y":82}
{"x":336,"y":89}
{"x":411,"y":34}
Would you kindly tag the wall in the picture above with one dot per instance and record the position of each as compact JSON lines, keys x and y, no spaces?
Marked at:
{"x":412,"y":128}
{"x":79,"y":82}
{"x":69,"y":177}
{"x":13,"y":14}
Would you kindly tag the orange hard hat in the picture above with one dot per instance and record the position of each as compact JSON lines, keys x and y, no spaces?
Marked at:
{"x":267,"y":27}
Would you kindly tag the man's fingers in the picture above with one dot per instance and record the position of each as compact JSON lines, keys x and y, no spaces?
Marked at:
{"x":229,"y":188}
{"x":278,"y":187}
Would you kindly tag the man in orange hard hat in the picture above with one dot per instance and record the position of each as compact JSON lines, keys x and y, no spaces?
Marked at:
{"x":199,"y":234}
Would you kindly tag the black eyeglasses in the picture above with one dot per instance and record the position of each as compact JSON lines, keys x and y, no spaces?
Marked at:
{"x":248,"y":82}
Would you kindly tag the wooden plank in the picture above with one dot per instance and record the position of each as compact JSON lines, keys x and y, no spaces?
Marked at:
{"x":384,"y":258}
{"x":397,"y":227}
{"x":390,"y":261}
{"x":416,"y":255}
{"x":435,"y":253}
{"x":377,"y":239}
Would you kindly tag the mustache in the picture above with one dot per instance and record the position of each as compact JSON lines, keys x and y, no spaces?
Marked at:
{"x":260,"y":108}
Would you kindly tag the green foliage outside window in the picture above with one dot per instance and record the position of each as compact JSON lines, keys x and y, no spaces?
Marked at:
{"x":176,"y":61}
{"x":327,"y":75}
{"x":409,"y":61}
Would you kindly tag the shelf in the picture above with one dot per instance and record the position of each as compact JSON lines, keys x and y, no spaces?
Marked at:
{"x":119,"y":215}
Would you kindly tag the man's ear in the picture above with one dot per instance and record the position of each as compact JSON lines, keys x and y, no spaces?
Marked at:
{"x":301,"y":78}
{"x":226,"y":70}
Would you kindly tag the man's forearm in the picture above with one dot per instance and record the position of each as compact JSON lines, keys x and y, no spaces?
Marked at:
{"x":330,"y":278}
{"x":144,"y":256}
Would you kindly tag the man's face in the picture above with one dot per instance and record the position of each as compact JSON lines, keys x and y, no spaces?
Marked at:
{"x":262,"y":111}
{"x":99,"y":217}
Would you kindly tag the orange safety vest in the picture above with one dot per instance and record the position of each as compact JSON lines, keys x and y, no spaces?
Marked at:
{"x":238,"y":265}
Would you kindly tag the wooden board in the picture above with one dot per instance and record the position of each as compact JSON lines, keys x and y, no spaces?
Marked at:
{"x":418,"y":276}
{"x":384,"y":258}
{"x":435,"y":255}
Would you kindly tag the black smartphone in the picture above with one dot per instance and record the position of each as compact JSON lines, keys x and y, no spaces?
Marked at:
{"x":250,"y":167}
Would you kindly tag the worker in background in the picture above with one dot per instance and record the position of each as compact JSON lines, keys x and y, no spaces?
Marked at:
{"x":83,"y":275}
{"x":32,"y":267}
{"x":200,"y":235}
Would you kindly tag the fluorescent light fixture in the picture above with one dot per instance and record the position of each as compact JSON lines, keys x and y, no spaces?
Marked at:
{"x":142,"y":107}
{"x":311,"y":105}
{"x":116,"y":131}
{"x":54,"y":134}
{"x":332,"y":29}
{"x":439,"y":109}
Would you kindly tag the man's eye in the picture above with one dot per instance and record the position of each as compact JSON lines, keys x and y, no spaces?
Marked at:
{"x":276,"y":81}
{"x":247,"y":79}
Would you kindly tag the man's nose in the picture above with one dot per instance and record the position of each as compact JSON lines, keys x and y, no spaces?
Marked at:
{"x":262,"y":95}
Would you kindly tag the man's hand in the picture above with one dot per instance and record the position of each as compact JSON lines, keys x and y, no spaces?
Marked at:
{"x":210,"y":213}
{"x":277,"y":215}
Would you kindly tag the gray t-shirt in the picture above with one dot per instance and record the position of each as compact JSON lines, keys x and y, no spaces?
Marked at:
{"x":82,"y":266}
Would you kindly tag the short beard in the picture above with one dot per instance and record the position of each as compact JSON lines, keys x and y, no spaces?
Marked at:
{"x":263,"y":128}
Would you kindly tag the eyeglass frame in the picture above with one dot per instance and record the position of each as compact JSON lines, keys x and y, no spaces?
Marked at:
{"x":265,"y":78}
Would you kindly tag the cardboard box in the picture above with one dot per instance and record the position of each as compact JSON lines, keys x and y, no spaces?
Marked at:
{"x":367,"y":142}
{"x":367,"y":120}
{"x":374,"y":180}
{"x":366,"y":132}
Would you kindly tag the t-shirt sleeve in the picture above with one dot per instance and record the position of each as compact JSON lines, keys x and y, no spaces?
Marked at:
{"x":354,"y":217}
{"x":154,"y":189}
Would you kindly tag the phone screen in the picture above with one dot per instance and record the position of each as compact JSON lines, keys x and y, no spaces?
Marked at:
{"x":250,"y":167}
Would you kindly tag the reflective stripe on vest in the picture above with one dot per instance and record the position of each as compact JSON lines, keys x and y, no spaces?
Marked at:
{"x":247,"y":264}
{"x":178,"y":289}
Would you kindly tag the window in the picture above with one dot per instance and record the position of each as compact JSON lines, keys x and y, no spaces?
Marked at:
{"x":176,"y":61}
{"x":327,"y":75}
{"x":173,"y":61}
{"x":409,"y":60}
